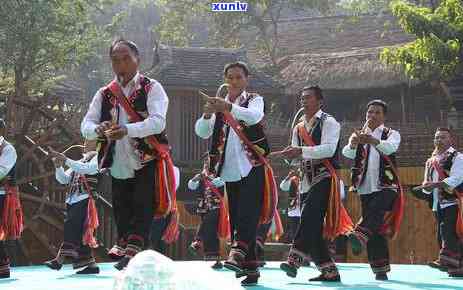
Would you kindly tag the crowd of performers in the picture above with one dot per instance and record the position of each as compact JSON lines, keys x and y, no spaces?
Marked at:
{"x":236,"y":190}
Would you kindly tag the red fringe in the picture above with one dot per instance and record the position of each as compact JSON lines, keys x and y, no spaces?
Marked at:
{"x":171,"y":233}
{"x":337,"y":220}
{"x":270,"y":198}
{"x":165,"y":193}
{"x":12,"y":223}
{"x":223,"y":229}
{"x":459,"y":225}
{"x":277,"y":231}
{"x":91,"y":224}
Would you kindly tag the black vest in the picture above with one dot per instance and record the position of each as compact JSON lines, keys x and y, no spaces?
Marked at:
{"x":138,"y":102}
{"x":254,"y":133}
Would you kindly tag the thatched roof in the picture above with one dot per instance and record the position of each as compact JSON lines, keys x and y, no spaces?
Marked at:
{"x":353,"y":69}
{"x":202,"y":68}
{"x":331,"y":34}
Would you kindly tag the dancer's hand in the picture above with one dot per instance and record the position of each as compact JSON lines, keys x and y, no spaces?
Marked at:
{"x":116,"y":132}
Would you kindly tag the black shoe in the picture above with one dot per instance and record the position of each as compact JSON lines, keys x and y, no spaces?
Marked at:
{"x":217,"y":266}
{"x":381,"y":277}
{"x":456,"y":275}
{"x":261,"y":264}
{"x":323,"y":278}
{"x":231,"y":265}
{"x":122,"y":263}
{"x":251,"y":280}
{"x":5,"y":275}
{"x":290,"y":270}
{"x":116,"y":253}
{"x":53,"y":264}
{"x":437,"y":265}
{"x":355,"y":244}
{"x":89,"y":270}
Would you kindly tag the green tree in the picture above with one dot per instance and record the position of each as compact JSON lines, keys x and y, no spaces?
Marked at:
{"x":436,"y":53}
{"x":40,"y":38}
{"x":224,"y":29}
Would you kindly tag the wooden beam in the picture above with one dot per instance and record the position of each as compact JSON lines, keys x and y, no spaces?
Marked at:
{"x":41,"y":200}
{"x":52,"y":221}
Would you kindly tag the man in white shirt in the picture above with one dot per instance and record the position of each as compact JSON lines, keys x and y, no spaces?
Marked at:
{"x":315,"y":143}
{"x":123,"y":147}
{"x":374,"y":178}
{"x":8,"y":189}
{"x":237,"y":165}
{"x":81,"y":180}
{"x":443,"y":179}
{"x":291,"y":185}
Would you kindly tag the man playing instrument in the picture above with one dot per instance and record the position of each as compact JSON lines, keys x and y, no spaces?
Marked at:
{"x":128,"y":118}
{"x":443,"y":179}
{"x":237,"y":154}
{"x":315,"y":143}
{"x":375,"y":178}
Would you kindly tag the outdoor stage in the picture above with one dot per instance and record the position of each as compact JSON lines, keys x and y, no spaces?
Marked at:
{"x":354,"y":276}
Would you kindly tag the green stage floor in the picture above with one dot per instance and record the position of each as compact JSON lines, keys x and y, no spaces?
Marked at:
{"x":354,"y":276}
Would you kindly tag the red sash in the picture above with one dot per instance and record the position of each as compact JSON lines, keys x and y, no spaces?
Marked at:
{"x":337,"y":220}
{"x":270,"y":200}
{"x":223,"y":227}
{"x":459,"y":195}
{"x":393,"y":219}
{"x":165,"y":192}
{"x":91,"y":221}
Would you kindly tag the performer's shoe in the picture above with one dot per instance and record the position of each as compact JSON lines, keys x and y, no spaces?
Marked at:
{"x":240,"y":274}
{"x":232,"y":264}
{"x":289,"y":269}
{"x":261,"y":264}
{"x":53,"y":264}
{"x":325,"y":278}
{"x":122,"y":263}
{"x":217,"y":265}
{"x":381,"y":276}
{"x":456,"y":275}
{"x":89,"y":270}
{"x":355,"y":244}
{"x":251,"y":280}
{"x":116,"y":252}
{"x":437,"y":265}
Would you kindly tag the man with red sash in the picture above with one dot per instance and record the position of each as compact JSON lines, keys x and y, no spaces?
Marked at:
{"x":375,"y":178}
{"x":237,"y":152}
{"x":11,"y":217}
{"x":443,"y":179}
{"x":315,"y":143}
{"x":128,"y":118}
{"x":214,"y":217}
{"x":81,"y":215}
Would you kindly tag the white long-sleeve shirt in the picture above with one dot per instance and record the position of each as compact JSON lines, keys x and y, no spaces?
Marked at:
{"x":8,"y":159}
{"x":79,"y":167}
{"x":455,"y":179}
{"x":371,"y":182}
{"x":328,"y":143}
{"x":236,"y":164}
{"x":125,"y":159}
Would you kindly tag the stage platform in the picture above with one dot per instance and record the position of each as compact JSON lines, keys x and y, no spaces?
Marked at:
{"x":354,"y":276}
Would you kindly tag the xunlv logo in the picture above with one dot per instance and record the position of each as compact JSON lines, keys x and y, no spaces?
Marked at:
{"x":229,"y":6}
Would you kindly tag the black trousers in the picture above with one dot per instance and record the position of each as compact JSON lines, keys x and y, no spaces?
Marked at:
{"x":451,"y":254}
{"x":438,"y":217}
{"x":291,"y":227}
{"x":158,"y":228}
{"x":245,"y":199}
{"x":309,"y":236}
{"x":374,"y":207}
{"x":207,"y":233}
{"x":133,"y":205}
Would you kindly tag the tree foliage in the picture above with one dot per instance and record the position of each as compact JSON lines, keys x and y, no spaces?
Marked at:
{"x":39,"y":38}
{"x":436,"y":53}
